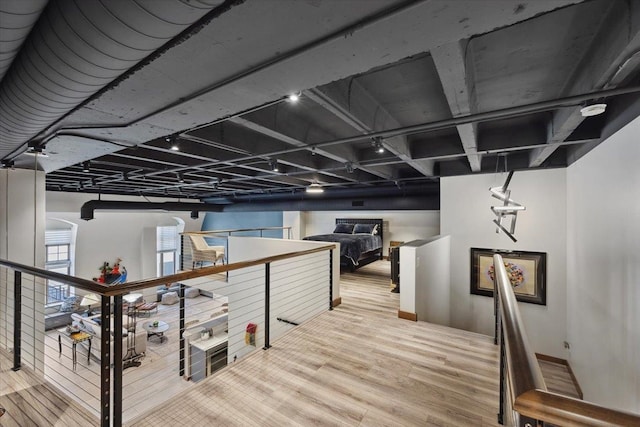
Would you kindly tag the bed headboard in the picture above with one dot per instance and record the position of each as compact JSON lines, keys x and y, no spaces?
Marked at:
{"x":363,"y":221}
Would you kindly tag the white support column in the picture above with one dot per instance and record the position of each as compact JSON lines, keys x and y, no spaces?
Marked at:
{"x":22,"y":225}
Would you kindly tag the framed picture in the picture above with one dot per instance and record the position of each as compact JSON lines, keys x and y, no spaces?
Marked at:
{"x":527,"y":272}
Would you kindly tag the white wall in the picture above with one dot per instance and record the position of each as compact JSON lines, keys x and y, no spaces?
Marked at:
{"x":433,"y":281}
{"x":401,"y":226}
{"x":425,"y":279}
{"x":466,"y":216}
{"x":129,"y":235}
{"x":603,"y":273}
{"x":292,"y":219}
{"x":299,"y":288}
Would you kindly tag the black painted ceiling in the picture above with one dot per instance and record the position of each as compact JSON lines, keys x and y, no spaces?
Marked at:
{"x":118,"y":86}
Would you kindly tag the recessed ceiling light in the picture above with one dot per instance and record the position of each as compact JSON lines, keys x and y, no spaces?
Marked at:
{"x":593,"y":110}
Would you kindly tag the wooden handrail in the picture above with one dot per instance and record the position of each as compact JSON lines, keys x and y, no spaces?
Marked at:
{"x":206,"y":271}
{"x":88,"y":285}
{"x":123,"y":288}
{"x":523,"y":367}
{"x":528,"y":391}
{"x":233,"y":230}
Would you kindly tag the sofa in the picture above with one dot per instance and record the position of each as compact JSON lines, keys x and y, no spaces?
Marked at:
{"x":91,"y":325}
{"x":58,"y":315}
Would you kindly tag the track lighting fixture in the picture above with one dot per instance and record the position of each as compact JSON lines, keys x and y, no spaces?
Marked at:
{"x":180,"y":177}
{"x":173,"y":143}
{"x":377,"y":145}
{"x":294,"y":97}
{"x":86,"y":166}
{"x":273,"y":165}
{"x":349,"y":167}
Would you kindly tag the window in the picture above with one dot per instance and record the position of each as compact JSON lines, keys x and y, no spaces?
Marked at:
{"x":58,"y":260}
{"x":167,"y":247}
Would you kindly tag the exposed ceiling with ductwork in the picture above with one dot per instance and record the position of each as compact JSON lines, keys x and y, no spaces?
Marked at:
{"x":192,"y":98}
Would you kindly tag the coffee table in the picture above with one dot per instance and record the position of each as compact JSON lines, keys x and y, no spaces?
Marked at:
{"x":157,"y":331}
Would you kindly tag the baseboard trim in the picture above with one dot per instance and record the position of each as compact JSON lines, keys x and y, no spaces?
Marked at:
{"x":407,"y":315}
{"x":564,"y":362}
{"x":336,"y":302}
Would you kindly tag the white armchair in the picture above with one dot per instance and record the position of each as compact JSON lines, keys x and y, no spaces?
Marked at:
{"x":201,"y":251}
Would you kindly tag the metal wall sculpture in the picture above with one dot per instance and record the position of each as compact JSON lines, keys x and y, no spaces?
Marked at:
{"x":510,"y":208}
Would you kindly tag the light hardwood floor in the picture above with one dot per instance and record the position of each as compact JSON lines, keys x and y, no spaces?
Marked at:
{"x":356,"y":365}
{"x":30,"y":401}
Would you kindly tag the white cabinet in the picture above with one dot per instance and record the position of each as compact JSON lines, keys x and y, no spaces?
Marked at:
{"x":207,"y":356}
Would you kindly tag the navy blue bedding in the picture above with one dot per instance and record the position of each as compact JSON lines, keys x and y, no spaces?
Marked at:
{"x":352,"y":246}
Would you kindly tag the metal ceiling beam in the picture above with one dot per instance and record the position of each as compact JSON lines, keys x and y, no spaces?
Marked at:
{"x":256,"y":127}
{"x":457,"y":78}
{"x":266,"y":145}
{"x":357,"y":115}
{"x":615,"y":43}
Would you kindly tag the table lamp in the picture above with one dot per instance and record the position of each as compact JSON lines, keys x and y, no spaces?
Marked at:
{"x":88,"y":300}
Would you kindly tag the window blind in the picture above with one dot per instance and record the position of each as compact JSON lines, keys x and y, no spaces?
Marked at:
{"x":167,"y":238}
{"x":57,"y":237}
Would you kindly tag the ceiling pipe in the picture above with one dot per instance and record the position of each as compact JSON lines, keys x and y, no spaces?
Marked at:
{"x":500,"y":114}
{"x":396,"y":203}
{"x":87,"y":210}
{"x":402,"y":189}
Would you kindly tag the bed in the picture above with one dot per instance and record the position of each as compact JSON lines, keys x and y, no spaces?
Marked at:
{"x":358,"y":247}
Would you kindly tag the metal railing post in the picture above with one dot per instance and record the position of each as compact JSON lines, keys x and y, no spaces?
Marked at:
{"x":267,"y":302}
{"x":182,"y":328}
{"x":182,"y":252}
{"x":117,"y":360}
{"x":496,"y":313}
{"x":17,"y":320}
{"x":503,"y":389}
{"x":330,"y":279}
{"x":105,"y":361}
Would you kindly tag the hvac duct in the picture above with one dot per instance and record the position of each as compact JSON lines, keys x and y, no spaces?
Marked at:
{"x":17,"y":17}
{"x":76,"y":49}
{"x":86,"y":211}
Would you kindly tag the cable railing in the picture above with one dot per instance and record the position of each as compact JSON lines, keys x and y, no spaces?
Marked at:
{"x":149,"y":340}
{"x":524,"y":398}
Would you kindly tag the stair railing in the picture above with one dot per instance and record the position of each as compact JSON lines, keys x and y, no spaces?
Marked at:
{"x":524,"y":399}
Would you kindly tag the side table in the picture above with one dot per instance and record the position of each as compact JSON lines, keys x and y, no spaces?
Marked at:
{"x":75,"y":337}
